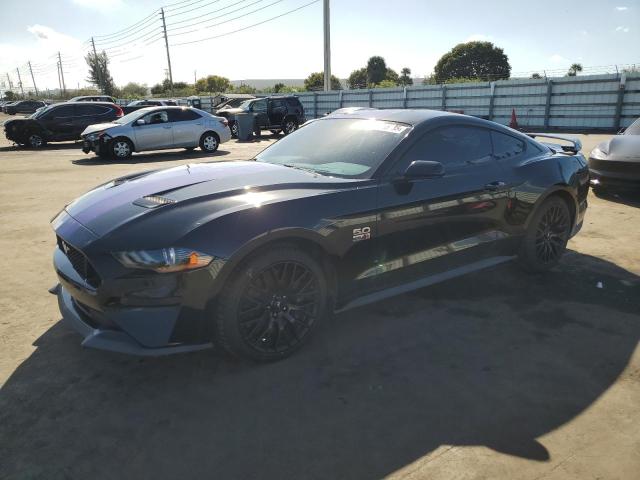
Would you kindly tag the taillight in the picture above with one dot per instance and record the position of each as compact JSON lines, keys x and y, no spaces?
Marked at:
{"x":119,"y":112}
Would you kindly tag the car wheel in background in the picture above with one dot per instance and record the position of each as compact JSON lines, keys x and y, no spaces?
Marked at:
{"x":209,"y":142}
{"x":35,"y":140}
{"x":233,"y":126}
{"x":290,"y":126}
{"x":271,"y":304}
{"x":546,"y":238}
{"x":121,"y":148}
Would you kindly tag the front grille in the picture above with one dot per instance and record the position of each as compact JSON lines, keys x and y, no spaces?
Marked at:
{"x":80,"y":263}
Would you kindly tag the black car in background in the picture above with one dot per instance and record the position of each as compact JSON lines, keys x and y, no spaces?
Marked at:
{"x":23,"y":106}
{"x":350,"y":209}
{"x":277,"y":114}
{"x":59,"y":122}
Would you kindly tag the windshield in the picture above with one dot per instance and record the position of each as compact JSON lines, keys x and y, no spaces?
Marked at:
{"x":41,"y":111}
{"x":351,"y":148}
{"x":130,"y":117}
{"x":245,"y":105}
{"x":633,"y":129}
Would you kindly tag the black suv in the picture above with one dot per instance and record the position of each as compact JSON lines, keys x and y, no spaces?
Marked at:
{"x":278,"y":114}
{"x":59,"y":122}
{"x":25,"y":106}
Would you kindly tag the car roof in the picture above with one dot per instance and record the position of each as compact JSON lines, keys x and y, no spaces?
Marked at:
{"x":409,"y":116}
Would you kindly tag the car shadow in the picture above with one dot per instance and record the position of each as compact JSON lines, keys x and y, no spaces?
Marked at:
{"x":147,"y":157}
{"x":625,"y":197}
{"x":48,"y":146}
{"x":497,"y":359}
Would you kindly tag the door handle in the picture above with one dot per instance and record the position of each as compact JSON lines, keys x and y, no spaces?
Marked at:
{"x":495,"y":186}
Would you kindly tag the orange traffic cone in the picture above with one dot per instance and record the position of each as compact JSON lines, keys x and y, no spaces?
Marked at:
{"x":514,"y":121}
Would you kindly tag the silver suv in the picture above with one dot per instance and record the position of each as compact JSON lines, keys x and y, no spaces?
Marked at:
{"x":156,"y":128}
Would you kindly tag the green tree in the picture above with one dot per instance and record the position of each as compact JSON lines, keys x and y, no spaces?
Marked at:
{"x":405,"y":78}
{"x":574,"y":69}
{"x":279,"y":87}
{"x":133,"y":90}
{"x":315,"y":81}
{"x":392,"y":76}
{"x":244,"y":88}
{"x":477,"y":60}
{"x":213,"y":84}
{"x":358,"y":79}
{"x":9,"y":95}
{"x":386,"y":83}
{"x":99,"y":74}
{"x":536,"y":75}
{"x":376,"y":70}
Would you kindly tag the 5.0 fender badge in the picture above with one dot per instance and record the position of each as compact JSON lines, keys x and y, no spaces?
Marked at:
{"x":363,"y":233}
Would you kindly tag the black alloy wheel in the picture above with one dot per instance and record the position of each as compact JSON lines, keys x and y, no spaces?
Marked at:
{"x":290,"y":126}
{"x":272,"y":306}
{"x":546,"y":238}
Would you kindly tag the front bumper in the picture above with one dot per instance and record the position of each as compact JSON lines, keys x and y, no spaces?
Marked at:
{"x":96,"y":145}
{"x":616,"y":174}
{"x":106,"y":338}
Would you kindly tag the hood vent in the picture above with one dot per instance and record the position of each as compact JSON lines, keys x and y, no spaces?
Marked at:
{"x":153,"y":201}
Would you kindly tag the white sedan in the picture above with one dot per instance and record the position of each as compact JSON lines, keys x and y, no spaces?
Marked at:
{"x":156,"y":128}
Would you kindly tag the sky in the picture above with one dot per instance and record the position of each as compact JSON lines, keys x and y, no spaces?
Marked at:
{"x":536,"y":36}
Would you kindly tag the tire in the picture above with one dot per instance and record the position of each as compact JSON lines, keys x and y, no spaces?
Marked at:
{"x":271,"y":304}
{"x":290,"y":125}
{"x":546,"y":238}
{"x":233,"y":126}
{"x":209,"y":142}
{"x":121,"y":148}
{"x":35,"y":140}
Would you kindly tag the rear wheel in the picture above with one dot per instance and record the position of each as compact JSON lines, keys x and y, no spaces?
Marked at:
{"x":233,"y":126}
{"x":121,"y":148}
{"x":546,"y":239}
{"x":209,"y":142}
{"x":290,"y":126}
{"x":272,"y":303}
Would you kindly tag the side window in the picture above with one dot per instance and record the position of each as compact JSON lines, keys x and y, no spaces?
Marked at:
{"x":62,"y":112}
{"x":455,"y":147}
{"x":155,"y":117}
{"x":259,"y":107}
{"x":506,"y":146}
{"x":90,"y":110}
{"x":277,"y":104}
{"x":182,"y":115}
{"x":294,"y":102}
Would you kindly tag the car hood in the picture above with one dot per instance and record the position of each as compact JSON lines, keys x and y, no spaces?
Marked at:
{"x":620,"y":148}
{"x":183,"y":190}
{"x":99,"y":127}
{"x":231,"y":111}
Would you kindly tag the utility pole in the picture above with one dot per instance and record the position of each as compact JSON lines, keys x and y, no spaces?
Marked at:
{"x":98,"y":70}
{"x":32,"y":78}
{"x":166,"y":43}
{"x":194,"y":77}
{"x":9,"y":80}
{"x":64,"y":87}
{"x":20,"y":82}
{"x":327,"y":47}
{"x":59,"y":81}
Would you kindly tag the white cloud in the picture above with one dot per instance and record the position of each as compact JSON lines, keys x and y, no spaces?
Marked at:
{"x":101,"y":5}
{"x":622,"y":9}
{"x":557,"y":58}
{"x":622,"y":29}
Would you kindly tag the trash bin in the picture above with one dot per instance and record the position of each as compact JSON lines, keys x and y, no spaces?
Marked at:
{"x":195,"y":102}
{"x":246,"y":122}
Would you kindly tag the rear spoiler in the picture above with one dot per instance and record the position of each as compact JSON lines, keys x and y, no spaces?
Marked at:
{"x":573,"y":149}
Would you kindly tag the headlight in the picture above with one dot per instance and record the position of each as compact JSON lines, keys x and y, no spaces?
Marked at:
{"x":92,"y":136}
{"x":164,"y":260}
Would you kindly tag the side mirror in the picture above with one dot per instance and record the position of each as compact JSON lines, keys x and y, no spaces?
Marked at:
{"x":424,"y":169}
{"x":140,"y":121}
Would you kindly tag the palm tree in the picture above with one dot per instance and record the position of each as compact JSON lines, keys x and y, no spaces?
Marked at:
{"x":574,"y":69}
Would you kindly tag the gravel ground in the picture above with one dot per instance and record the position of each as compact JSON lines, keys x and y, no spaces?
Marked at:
{"x":496,"y":375}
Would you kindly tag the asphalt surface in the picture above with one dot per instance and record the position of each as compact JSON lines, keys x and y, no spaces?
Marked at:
{"x":499,"y":374}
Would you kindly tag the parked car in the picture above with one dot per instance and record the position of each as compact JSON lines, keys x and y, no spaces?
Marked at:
{"x":229,"y":104}
{"x":156,"y":128}
{"x":615,"y":163}
{"x":278,"y":114}
{"x":347,"y":210}
{"x":94,"y":98}
{"x":152,"y":103}
{"x":23,"y":106}
{"x":7,"y":104}
{"x":59,"y":122}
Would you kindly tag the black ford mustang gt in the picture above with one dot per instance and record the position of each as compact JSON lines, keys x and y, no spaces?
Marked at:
{"x":352,"y":208}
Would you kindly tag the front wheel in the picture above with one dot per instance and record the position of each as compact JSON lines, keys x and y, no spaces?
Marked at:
{"x":121,"y":148}
{"x":36,"y":140}
{"x":546,"y":238}
{"x":271,"y":305}
{"x":290,"y":126}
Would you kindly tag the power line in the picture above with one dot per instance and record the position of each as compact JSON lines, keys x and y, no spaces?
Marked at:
{"x":130,"y":27}
{"x":248,"y":27}
{"x":213,"y":11}
{"x":229,"y":20}
{"x":192,"y":9}
{"x":167,"y":9}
